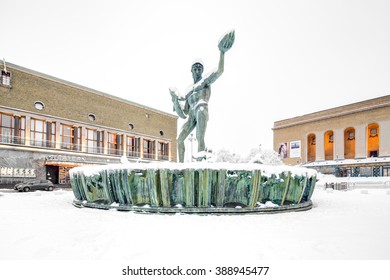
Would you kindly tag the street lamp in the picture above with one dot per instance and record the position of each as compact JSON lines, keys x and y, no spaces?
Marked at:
{"x":191,"y":139}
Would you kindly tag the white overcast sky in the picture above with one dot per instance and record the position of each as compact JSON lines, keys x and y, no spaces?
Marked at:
{"x":289,"y":58}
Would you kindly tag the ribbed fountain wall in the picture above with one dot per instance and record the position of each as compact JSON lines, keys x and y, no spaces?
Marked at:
{"x":203,"y":188}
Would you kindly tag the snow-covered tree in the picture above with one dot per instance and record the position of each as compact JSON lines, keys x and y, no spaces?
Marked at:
{"x":256,"y":155}
{"x":269,"y":157}
{"x":224,"y":155}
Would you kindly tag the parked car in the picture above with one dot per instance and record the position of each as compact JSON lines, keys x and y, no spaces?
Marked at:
{"x":34,"y":184}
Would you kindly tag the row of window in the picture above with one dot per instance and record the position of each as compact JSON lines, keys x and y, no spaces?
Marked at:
{"x":43,"y":134}
{"x":372,"y":139}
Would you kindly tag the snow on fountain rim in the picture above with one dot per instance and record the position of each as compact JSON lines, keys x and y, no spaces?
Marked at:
{"x":266,"y":170}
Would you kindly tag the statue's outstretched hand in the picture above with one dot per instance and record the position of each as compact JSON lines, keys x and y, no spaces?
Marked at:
{"x":226,"y":42}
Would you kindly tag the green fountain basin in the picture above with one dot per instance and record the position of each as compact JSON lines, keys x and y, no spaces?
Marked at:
{"x":203,"y":188}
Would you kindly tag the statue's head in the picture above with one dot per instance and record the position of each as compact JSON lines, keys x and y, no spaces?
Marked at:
{"x":197,"y":69}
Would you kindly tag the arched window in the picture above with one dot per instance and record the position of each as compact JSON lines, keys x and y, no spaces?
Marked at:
{"x":311,"y":147}
{"x":373,"y":140}
{"x":349,"y":143}
{"x":328,"y":145}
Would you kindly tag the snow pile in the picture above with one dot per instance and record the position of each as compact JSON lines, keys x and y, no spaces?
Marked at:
{"x":46,"y":226}
{"x":268,"y":204}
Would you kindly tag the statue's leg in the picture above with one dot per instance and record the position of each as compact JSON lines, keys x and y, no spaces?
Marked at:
{"x":202,"y":116}
{"x":185,"y":131}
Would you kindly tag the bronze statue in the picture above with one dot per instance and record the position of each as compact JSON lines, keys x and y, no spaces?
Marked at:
{"x":197,"y":98}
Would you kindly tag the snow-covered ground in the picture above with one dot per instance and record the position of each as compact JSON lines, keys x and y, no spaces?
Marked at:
{"x":343,"y":225}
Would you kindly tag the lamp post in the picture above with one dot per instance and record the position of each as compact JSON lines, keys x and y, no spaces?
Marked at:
{"x":191,"y":139}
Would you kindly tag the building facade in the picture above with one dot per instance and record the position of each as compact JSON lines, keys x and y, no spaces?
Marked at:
{"x":48,"y":125}
{"x":351,"y":140}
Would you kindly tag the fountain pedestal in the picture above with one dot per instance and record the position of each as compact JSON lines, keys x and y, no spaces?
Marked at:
{"x":203,"y":188}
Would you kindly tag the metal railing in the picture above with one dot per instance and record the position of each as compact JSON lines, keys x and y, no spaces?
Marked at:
{"x":346,"y":186}
{"x":20,"y":141}
{"x":10,"y":139}
{"x":339,"y":186}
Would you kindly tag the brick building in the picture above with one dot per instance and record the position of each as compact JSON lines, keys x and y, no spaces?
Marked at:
{"x":48,"y":125}
{"x":351,"y":140}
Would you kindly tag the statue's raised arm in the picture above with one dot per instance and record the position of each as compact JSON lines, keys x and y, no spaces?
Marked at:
{"x":225,"y":44}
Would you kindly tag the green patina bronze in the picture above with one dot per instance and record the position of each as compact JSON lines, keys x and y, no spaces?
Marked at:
{"x":203,"y":189}
{"x":194,"y":105}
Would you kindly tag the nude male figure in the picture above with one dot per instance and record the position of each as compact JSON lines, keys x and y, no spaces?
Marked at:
{"x":195,"y":108}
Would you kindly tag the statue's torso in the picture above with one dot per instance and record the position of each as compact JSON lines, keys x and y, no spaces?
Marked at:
{"x":199,"y":95}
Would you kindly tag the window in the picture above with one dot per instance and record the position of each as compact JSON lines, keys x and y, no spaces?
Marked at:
{"x":70,"y":137}
{"x":114,"y":144}
{"x":328,"y":145}
{"x":12,"y":129}
{"x":19,"y":124}
{"x":94,"y":141}
{"x":372,"y":140}
{"x":42,"y":133}
{"x":5,"y":78}
{"x":37,"y":134}
{"x":349,"y":143}
{"x":6,"y":128}
{"x":376,"y":171}
{"x":163,"y":151}
{"x":39,"y":105}
{"x":149,"y":148}
{"x":91,"y":117}
{"x":311,"y":147}
{"x":365,"y":171}
{"x":133,"y":146}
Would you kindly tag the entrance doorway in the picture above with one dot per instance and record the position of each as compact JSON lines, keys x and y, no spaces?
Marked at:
{"x":52,"y":173}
